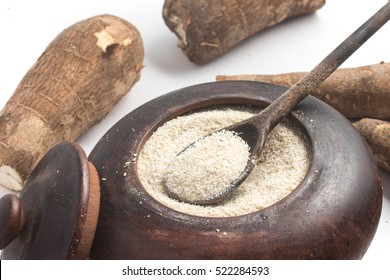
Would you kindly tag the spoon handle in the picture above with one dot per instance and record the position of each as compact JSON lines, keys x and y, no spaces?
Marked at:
{"x":282,"y":106}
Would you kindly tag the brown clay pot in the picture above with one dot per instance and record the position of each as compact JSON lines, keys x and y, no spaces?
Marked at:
{"x":332,"y":214}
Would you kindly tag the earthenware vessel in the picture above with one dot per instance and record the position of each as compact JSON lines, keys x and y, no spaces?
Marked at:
{"x":332,"y":214}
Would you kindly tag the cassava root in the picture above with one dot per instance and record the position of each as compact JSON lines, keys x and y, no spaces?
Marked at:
{"x":377,"y":134}
{"x":82,"y":73}
{"x":355,"y":92}
{"x":208,"y":28}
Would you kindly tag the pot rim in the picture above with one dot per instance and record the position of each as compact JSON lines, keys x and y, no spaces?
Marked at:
{"x":296,"y":117}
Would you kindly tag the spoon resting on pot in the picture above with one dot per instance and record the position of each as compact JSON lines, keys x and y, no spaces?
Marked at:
{"x":211,"y":185}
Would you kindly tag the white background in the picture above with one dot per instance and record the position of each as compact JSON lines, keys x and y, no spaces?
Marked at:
{"x":27,"y":27}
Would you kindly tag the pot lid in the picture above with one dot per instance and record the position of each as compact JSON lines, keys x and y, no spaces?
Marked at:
{"x":55,"y":215}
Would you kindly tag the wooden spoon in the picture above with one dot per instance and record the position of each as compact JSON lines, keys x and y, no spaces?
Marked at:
{"x":255,"y":130}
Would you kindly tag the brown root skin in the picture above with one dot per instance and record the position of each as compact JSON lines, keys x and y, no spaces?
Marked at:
{"x":208,"y":28}
{"x":355,"y":92}
{"x":80,"y":76}
{"x":377,"y":134}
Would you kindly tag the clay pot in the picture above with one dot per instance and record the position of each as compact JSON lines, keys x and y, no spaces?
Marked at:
{"x":332,"y":214}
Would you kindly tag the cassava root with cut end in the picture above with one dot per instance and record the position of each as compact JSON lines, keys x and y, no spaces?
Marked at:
{"x":82,"y":73}
{"x":208,"y":28}
{"x":355,"y":92}
{"x":377,"y":134}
